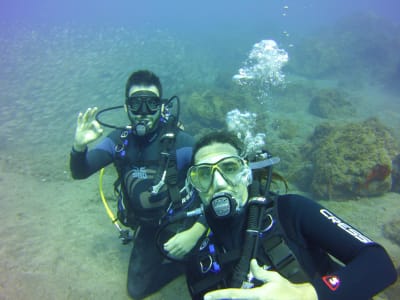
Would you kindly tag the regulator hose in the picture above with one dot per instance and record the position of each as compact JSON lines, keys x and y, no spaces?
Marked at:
{"x":124,"y":234}
{"x":241,"y":270}
{"x":102,"y":111}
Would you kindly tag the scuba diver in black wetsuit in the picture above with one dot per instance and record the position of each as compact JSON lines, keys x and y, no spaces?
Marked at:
{"x":151,"y":156}
{"x":292,"y":237}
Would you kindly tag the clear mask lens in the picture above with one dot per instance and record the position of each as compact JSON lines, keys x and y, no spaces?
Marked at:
{"x":201,"y":176}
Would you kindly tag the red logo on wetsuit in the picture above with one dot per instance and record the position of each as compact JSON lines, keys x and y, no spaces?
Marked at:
{"x":332,"y":282}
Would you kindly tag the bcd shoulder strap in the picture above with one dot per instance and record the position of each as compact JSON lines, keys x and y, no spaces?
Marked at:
{"x":274,"y":243}
{"x":168,"y":160}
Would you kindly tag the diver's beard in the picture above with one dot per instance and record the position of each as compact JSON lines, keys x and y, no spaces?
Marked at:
{"x":143,"y":125}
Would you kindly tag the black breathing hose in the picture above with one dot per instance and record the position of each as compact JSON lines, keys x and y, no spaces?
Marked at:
{"x":251,"y":239}
{"x":100,"y":112}
{"x":178,"y":104}
{"x":167,"y":103}
{"x":257,"y":206}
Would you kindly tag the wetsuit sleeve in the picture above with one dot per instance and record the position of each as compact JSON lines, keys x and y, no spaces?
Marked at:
{"x":367,"y":274}
{"x":83,"y":164}
{"x":367,"y":268}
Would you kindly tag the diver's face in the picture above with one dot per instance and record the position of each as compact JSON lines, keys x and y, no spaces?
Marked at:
{"x":216,"y":154}
{"x":143,"y":106}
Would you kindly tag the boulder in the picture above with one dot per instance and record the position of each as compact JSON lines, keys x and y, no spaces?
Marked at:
{"x":331,"y":104}
{"x":353,"y":160}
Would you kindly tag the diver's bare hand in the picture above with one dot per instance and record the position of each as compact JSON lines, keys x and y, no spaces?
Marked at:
{"x":87,"y":129}
{"x":181,"y":243}
{"x":275,"y":287}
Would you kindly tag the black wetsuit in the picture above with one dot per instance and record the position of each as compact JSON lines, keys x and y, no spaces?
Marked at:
{"x":312,"y":232}
{"x":148,"y":270}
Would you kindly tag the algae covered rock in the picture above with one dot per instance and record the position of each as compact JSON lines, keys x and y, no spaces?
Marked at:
{"x":207,"y":110}
{"x":330,"y":103}
{"x":352,"y":160}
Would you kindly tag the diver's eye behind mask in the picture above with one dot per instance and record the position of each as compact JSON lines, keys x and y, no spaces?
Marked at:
{"x":143,"y":103}
{"x":231,"y":169}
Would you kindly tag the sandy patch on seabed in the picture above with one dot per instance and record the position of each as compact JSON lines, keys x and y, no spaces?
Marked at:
{"x":56,"y":242}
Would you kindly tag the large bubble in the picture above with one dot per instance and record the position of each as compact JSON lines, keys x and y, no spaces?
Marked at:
{"x":243,"y":124}
{"x":263,"y":66}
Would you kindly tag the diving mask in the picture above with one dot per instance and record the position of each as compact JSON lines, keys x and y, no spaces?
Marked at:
{"x":143,"y":103}
{"x":231,"y":168}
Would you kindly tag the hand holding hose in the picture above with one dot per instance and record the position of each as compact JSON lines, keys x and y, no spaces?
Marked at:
{"x":87,"y":130}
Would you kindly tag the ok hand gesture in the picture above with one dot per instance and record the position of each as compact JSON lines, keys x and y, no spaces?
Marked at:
{"x":87,"y":129}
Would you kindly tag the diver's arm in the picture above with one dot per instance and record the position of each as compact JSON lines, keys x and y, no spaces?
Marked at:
{"x":83,"y":164}
{"x":182,"y":242}
{"x":369,"y":273}
{"x":198,"y":229}
{"x":367,"y":268}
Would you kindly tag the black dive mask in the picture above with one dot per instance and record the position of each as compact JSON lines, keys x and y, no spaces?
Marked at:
{"x":222,"y":205}
{"x":143,"y":108}
{"x":143,"y":103}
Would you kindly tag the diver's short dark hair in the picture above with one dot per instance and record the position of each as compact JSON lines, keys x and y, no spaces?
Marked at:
{"x":220,"y":137}
{"x":143,"y":77}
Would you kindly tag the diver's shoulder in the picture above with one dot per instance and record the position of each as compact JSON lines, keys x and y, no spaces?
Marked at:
{"x":294,"y":201}
{"x":184,"y":138}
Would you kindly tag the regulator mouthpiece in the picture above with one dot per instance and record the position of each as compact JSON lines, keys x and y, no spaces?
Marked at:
{"x":140,"y":129}
{"x":223,"y":205}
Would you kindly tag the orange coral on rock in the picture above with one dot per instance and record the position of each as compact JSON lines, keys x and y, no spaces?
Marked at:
{"x":378,"y":173}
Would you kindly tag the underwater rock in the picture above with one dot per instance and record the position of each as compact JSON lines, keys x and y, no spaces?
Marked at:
{"x":207,"y":110}
{"x":329,"y":104}
{"x":391,"y":231}
{"x":396,"y":174}
{"x":352,"y":160}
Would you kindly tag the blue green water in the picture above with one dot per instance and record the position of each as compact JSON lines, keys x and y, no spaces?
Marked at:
{"x":58,"y":59}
